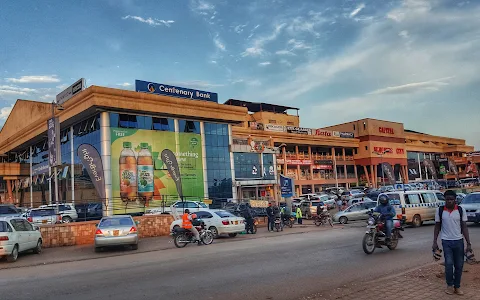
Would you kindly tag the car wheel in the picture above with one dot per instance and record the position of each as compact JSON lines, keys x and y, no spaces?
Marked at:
{"x":214,"y":231}
{"x":232,"y":235}
{"x":416,"y":221}
{"x":38,"y":249}
{"x":134,"y":247}
{"x":14,"y":255}
{"x":343,"y":220}
{"x":67,"y":220}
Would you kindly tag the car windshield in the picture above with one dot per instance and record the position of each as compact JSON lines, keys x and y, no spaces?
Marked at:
{"x":224,"y":214}
{"x":112,"y":222}
{"x":471,"y":199}
{"x":8,"y":209}
{"x":203,"y":205}
{"x":42,"y":212}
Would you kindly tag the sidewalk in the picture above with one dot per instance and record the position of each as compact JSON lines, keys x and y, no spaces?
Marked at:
{"x":424,"y":283}
{"x":86,"y":252}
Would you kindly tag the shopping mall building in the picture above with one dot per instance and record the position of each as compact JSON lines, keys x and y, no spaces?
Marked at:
{"x":235,"y":150}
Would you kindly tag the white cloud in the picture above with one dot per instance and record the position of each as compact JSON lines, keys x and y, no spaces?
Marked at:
{"x":201,"y":5}
{"x":298,"y":44}
{"x":403,"y":34}
{"x":10,"y":90}
{"x":265,"y":63}
{"x":34,"y":79}
{"x":357,"y":10}
{"x":62,"y":86}
{"x":218,"y":43}
{"x":5,"y":112}
{"x":47,"y":97}
{"x":285,"y":52}
{"x":285,"y":62}
{"x":150,"y":21}
{"x":257,"y":47}
{"x":414,"y":87}
{"x":239,"y":28}
{"x":125,"y":84}
{"x":213,"y":61}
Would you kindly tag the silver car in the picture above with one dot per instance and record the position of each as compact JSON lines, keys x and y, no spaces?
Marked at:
{"x":471,"y":204}
{"x":118,"y":230}
{"x":357,"y":211}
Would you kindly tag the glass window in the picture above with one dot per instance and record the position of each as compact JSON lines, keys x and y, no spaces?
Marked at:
{"x":18,"y":225}
{"x":428,"y":198}
{"x":128,"y":121}
{"x":355,"y":207}
{"x":111,"y":222}
{"x":440,"y":196}
{"x":471,"y":199}
{"x":204,"y":215}
{"x":5,"y":227}
{"x":189,"y":126}
{"x":114,"y":120}
{"x":164,"y":124}
{"x":8,"y":210}
{"x":412,"y":199}
{"x":191,"y":205}
{"x":224,"y":214}
{"x":42,"y":212}
{"x":27,"y":225}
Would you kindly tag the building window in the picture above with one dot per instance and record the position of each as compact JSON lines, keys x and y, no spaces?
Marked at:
{"x":272,"y":121}
{"x":189,"y":126}
{"x":364,"y":126}
{"x":163,"y":124}
{"x":366,"y":147}
{"x":127,"y":121}
{"x":356,"y":151}
{"x":353,"y":126}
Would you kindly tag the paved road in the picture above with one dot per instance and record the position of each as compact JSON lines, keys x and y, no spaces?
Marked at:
{"x":276,"y":267}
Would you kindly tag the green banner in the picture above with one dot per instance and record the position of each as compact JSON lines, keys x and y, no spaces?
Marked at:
{"x":140,"y":178}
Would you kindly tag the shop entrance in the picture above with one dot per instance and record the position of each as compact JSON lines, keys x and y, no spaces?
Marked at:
{"x":259,"y":192}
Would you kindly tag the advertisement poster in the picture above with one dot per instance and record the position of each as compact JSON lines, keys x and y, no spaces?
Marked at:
{"x":139,"y":175}
{"x":286,"y":186}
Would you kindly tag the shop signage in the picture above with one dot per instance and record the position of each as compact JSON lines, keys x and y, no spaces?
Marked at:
{"x":259,"y":203}
{"x":430,"y":167}
{"x":299,"y":130}
{"x":240,"y":141}
{"x":474,"y":153}
{"x":71,"y":91}
{"x":323,"y":162}
{"x":386,"y":130}
{"x":54,"y":157}
{"x":323,"y":167}
{"x":286,"y":186}
{"x":274,"y":127}
{"x":347,"y":135}
{"x":40,"y":168}
{"x":322,"y":132}
{"x":174,"y":91}
{"x":170,"y":161}
{"x":91,"y":160}
{"x":382,"y":149}
{"x":303,"y":162}
{"x":443,"y":166}
{"x":400,"y":151}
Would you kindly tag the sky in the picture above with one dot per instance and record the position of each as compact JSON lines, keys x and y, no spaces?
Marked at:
{"x":410,"y":61}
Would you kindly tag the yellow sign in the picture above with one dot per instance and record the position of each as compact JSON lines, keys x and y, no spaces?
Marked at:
{"x":259,"y":203}
{"x":207,"y":201}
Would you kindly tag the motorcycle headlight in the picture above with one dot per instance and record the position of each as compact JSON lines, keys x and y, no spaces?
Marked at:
{"x":371,"y":221}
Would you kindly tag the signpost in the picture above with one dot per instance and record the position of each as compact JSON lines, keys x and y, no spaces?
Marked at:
{"x":71,"y":91}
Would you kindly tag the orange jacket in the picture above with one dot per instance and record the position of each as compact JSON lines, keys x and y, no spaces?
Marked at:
{"x":186,"y":221}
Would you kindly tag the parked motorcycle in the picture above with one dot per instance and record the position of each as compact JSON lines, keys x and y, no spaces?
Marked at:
{"x":375,"y":235}
{"x":278,"y":224}
{"x":254,"y":224}
{"x":323,"y":219}
{"x":288,"y":221}
{"x":182,"y":237}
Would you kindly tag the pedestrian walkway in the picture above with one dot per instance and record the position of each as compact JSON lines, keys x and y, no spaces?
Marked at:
{"x":424,"y":283}
{"x":86,"y":252}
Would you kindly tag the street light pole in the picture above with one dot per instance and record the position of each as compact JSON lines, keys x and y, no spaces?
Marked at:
{"x":55,"y":167}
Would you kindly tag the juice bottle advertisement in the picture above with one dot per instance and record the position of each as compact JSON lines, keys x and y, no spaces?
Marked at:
{"x":139,"y":176}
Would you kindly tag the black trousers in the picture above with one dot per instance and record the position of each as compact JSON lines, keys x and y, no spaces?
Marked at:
{"x":249,"y":225}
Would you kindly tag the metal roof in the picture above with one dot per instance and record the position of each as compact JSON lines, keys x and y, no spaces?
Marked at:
{"x":259,"y":106}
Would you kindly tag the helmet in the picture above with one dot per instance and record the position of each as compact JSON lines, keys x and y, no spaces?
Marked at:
{"x":383,"y":199}
{"x":470,"y":257}
{"x":437,"y":254}
{"x":187,"y":211}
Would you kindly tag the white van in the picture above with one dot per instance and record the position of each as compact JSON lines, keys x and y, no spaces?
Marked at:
{"x":415,"y":207}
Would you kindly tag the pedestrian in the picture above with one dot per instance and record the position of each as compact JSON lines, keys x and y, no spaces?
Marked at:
{"x":248,"y":215}
{"x":277,"y":215}
{"x":339,"y":204}
{"x":299,"y":215}
{"x":451,"y":224}
{"x":270,"y":216}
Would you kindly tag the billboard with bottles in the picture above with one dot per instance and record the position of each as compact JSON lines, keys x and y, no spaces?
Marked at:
{"x":139,"y":177}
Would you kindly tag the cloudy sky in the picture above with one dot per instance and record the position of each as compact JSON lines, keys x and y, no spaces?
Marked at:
{"x":410,"y":61}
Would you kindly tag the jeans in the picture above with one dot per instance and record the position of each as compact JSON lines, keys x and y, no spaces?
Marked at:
{"x":453,"y":252}
{"x":388,"y":228}
{"x":271,"y":223}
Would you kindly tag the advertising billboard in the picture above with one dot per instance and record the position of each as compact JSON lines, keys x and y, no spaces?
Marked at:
{"x":140,"y":175}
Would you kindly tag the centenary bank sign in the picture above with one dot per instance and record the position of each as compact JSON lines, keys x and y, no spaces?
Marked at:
{"x":174,"y":91}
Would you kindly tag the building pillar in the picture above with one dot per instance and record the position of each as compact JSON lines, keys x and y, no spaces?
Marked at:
{"x":72,"y":165}
{"x":343,"y":153}
{"x":345,"y":171}
{"x":296,"y":151}
{"x":356,"y":173}
{"x":373,"y":176}
{"x":105,"y":152}
{"x":285,"y":161}
{"x":9,"y":199}
{"x":31,"y":177}
{"x":366,"y":175}
{"x":334,"y":166}
{"x":299,"y":173}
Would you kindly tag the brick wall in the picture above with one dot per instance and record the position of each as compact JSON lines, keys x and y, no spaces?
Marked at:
{"x":82,"y":233}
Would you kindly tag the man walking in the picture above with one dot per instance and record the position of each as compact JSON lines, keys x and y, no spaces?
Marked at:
{"x":451,"y":224}
{"x":270,"y":216}
{"x":248,"y":215}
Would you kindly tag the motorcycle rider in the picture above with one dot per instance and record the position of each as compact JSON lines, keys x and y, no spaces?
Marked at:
{"x":387,"y":213}
{"x":321,"y":208}
{"x":187,"y":224}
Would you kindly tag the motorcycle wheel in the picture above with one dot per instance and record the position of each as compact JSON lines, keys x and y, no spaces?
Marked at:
{"x":254,"y":230}
{"x":330,"y":221}
{"x":393,"y":242}
{"x":277,"y":227}
{"x":317,"y":222}
{"x":368,"y":243}
{"x":180,"y":241}
{"x":207,"y":238}
{"x":290,"y":223}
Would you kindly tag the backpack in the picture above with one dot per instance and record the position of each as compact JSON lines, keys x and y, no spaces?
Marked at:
{"x":440,"y":215}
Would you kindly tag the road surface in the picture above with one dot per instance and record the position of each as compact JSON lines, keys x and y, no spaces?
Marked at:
{"x":275,"y":267}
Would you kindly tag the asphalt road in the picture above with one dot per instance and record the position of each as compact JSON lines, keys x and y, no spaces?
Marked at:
{"x":276,"y":267}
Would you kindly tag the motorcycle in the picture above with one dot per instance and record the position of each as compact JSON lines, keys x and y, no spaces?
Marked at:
{"x":278,"y":224}
{"x":288,"y":221}
{"x":182,"y":237}
{"x":254,"y":224}
{"x":323,"y":219}
{"x":375,"y":236}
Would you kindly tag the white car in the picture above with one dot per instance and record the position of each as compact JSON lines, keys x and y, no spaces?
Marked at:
{"x":18,"y":235}
{"x":218,"y":221}
{"x":66,"y":210}
{"x":179,"y":207}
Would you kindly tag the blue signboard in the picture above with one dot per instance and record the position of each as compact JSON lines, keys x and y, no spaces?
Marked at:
{"x":174,"y":91}
{"x":286,"y":186}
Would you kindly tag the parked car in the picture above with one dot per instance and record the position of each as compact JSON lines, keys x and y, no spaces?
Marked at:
{"x":44,"y":216}
{"x":9,"y":210}
{"x":119,"y":230}
{"x":66,"y":210}
{"x":334,"y":190}
{"x":471,"y":204}
{"x":18,"y":235}
{"x":89,"y":211}
{"x":218,"y":221}
{"x":347,"y":195}
{"x":179,"y":206}
{"x":460,"y":197}
{"x":357,"y":200}
{"x":355,"y":212}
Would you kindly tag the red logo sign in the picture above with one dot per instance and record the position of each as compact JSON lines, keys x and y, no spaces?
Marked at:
{"x":400,"y":151}
{"x":386,"y":130}
{"x":323,"y":132}
{"x":382,"y":150}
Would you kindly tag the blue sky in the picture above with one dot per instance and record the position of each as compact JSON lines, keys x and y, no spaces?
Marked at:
{"x":410,"y":61}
